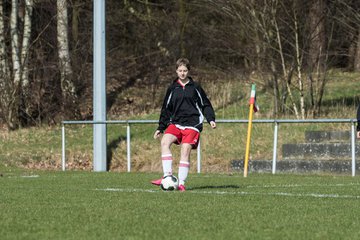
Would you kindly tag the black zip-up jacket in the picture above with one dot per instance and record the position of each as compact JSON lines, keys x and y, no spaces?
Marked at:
{"x":185,"y":106}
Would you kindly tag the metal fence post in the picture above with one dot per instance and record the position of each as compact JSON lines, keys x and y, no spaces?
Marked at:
{"x":128,"y":149}
{"x":199,"y":158}
{"x":353,"y":149}
{"x":275,"y":147}
{"x":63,"y":146}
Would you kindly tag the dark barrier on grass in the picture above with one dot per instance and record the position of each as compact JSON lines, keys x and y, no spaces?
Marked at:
{"x":276,"y":123}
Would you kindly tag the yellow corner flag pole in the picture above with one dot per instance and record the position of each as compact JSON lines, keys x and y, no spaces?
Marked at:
{"x":251,"y":110}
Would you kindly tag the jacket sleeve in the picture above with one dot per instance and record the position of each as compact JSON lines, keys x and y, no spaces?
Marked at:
{"x":165,"y":113}
{"x":207,"y":108}
{"x":358,"y":119}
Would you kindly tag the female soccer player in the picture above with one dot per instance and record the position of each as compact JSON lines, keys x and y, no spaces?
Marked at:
{"x":181,"y":120}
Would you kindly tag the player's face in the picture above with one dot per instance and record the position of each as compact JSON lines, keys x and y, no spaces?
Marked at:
{"x":182,"y":72}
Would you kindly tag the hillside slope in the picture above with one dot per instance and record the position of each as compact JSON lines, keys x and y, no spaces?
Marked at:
{"x":40,"y":147}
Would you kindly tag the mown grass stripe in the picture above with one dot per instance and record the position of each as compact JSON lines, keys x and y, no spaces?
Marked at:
{"x":286,"y":194}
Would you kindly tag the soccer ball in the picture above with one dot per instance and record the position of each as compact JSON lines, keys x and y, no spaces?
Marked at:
{"x":169,"y":183}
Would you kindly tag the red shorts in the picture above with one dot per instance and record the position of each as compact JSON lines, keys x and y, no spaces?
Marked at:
{"x":187,"y":135}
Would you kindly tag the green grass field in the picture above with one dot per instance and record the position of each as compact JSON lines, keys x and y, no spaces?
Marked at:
{"x":88,"y":205}
{"x":219,"y":204}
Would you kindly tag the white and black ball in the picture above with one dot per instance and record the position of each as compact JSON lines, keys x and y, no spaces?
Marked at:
{"x":169,"y":183}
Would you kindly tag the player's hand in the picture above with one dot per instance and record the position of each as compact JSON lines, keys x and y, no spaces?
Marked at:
{"x":213,"y":124}
{"x":157,"y":134}
{"x":358,"y":134}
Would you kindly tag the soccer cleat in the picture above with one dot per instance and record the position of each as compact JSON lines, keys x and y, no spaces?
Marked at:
{"x":157,"y":182}
{"x":181,"y":188}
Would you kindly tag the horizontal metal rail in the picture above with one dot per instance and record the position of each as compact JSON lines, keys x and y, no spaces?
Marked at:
{"x":343,"y":120}
{"x":276,"y":123}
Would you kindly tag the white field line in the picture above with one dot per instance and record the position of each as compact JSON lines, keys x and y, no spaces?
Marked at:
{"x":303,"y":185}
{"x":30,"y":176}
{"x":23,"y":176}
{"x":242,"y":193}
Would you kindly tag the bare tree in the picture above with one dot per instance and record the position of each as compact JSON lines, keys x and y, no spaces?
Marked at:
{"x":357,"y":53}
{"x":14,"y":101}
{"x":289,"y":45}
{"x":279,"y":31}
{"x":5,"y":81}
{"x":183,"y":18}
{"x":14,"y":79}
{"x":317,"y":53}
{"x":67,"y":85}
{"x":355,"y":18}
{"x":25,"y":97}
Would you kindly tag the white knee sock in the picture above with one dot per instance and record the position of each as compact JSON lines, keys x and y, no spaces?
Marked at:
{"x":167,"y":160}
{"x":183,"y":172}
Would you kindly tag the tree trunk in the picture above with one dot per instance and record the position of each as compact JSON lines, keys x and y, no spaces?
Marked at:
{"x":26,"y":42}
{"x":14,"y":101}
{"x":357,"y":54}
{"x":75,"y":22}
{"x":14,"y":80}
{"x":317,"y":51}
{"x":276,"y":90}
{"x":299,"y":66}
{"x":25,"y":89}
{"x":317,"y":43}
{"x":182,"y":19}
{"x":5,"y":85}
{"x":67,"y":85}
{"x":287,"y":74}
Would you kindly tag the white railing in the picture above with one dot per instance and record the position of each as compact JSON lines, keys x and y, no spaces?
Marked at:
{"x":276,"y":123}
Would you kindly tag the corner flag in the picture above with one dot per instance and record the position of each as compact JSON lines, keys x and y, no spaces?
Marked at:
{"x":253,"y":99}
{"x":252,"y":108}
